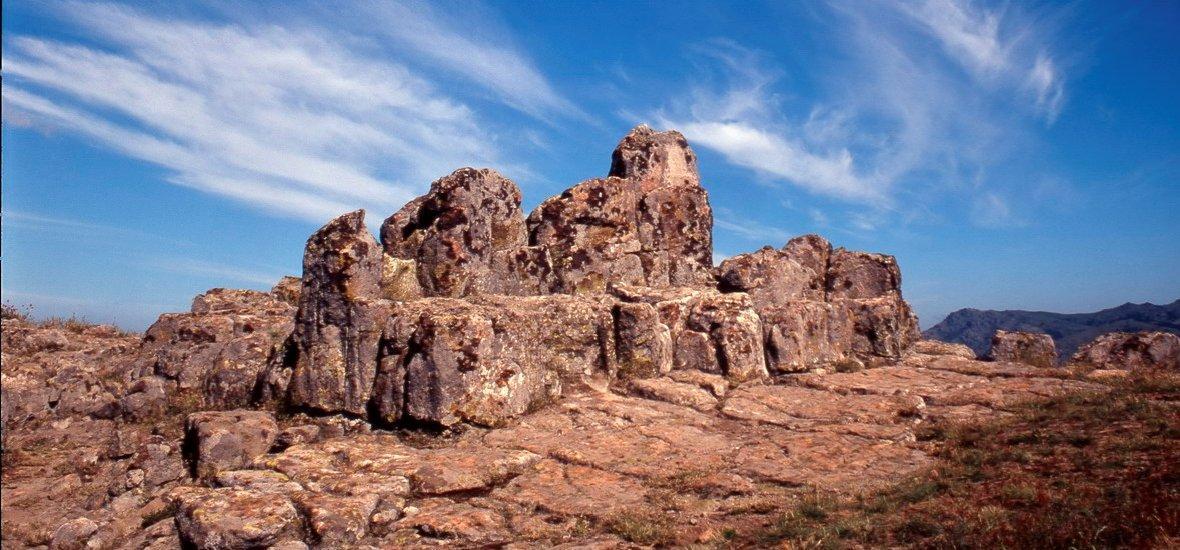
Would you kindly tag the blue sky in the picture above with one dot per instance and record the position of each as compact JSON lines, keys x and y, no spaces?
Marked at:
{"x":1011,"y":155}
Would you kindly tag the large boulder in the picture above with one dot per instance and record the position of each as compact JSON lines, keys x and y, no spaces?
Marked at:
{"x":338,"y":325}
{"x":883,"y":328}
{"x":1030,"y":348}
{"x":869,"y":287}
{"x":803,"y":335}
{"x":862,"y":275}
{"x":591,"y":234}
{"x":454,"y":231}
{"x":487,"y":360}
{"x":1131,"y":350}
{"x":219,"y":349}
{"x":771,"y":277}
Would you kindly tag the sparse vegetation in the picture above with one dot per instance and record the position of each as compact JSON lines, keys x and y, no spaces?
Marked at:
{"x":8,"y":310}
{"x":642,"y":526}
{"x":1078,"y":471}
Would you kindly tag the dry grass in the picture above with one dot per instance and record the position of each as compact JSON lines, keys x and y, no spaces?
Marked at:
{"x":1078,"y":471}
{"x":642,"y":526}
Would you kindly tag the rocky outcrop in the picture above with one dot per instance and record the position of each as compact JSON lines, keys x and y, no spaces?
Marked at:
{"x":822,"y":306}
{"x":217,"y":351}
{"x":1124,"y":350}
{"x":1029,"y":348}
{"x":648,"y":223}
{"x":460,"y":236}
{"x":487,"y":360}
{"x":338,"y":324}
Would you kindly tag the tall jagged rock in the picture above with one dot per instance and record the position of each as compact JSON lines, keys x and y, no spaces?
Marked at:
{"x":648,"y":223}
{"x":338,"y":325}
{"x":452,"y":232}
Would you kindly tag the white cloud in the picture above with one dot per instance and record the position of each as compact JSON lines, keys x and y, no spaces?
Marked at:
{"x":749,"y":230}
{"x":969,"y":34}
{"x":992,"y":210}
{"x":288,"y":120}
{"x":189,"y":266}
{"x":996,"y":54}
{"x":454,"y":42}
{"x":741,"y":122}
{"x":1047,"y":85}
{"x":888,"y":127}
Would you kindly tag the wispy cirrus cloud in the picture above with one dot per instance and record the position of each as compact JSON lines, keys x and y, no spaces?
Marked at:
{"x":750,"y":230}
{"x":455,"y":41}
{"x":891,"y":127}
{"x":998,"y":46}
{"x":216,"y":271}
{"x":741,"y":119}
{"x":298,"y":122}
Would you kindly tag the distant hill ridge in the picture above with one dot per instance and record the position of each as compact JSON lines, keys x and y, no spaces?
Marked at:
{"x":975,"y":327}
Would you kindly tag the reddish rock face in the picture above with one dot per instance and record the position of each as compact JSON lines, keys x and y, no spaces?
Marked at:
{"x":861,"y":275}
{"x":338,"y":324}
{"x":935,"y":347}
{"x":485,"y":361}
{"x":1030,"y":348}
{"x":649,"y":223}
{"x":227,"y":440}
{"x":453,"y":232}
{"x":1125,"y":350}
{"x":803,"y":335}
{"x":220,"y":349}
{"x":771,"y":278}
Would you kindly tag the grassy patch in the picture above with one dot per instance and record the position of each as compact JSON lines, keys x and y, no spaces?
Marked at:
{"x":642,"y":526}
{"x":1077,"y":471}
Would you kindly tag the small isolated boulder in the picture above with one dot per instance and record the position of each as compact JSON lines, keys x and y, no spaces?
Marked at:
{"x":1131,"y":350}
{"x":1030,"y":348}
{"x":232,"y":519}
{"x":227,"y":440}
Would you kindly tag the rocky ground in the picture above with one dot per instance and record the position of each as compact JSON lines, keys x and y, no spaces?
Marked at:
{"x":583,"y":376}
{"x":687,"y":458}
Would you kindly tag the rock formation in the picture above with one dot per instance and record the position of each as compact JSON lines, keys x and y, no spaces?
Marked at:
{"x":464,"y":313}
{"x":1030,"y":348}
{"x":338,"y":324}
{"x":577,"y":362}
{"x":1125,"y":350}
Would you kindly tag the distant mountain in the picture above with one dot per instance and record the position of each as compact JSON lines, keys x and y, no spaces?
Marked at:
{"x":1070,"y":330}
